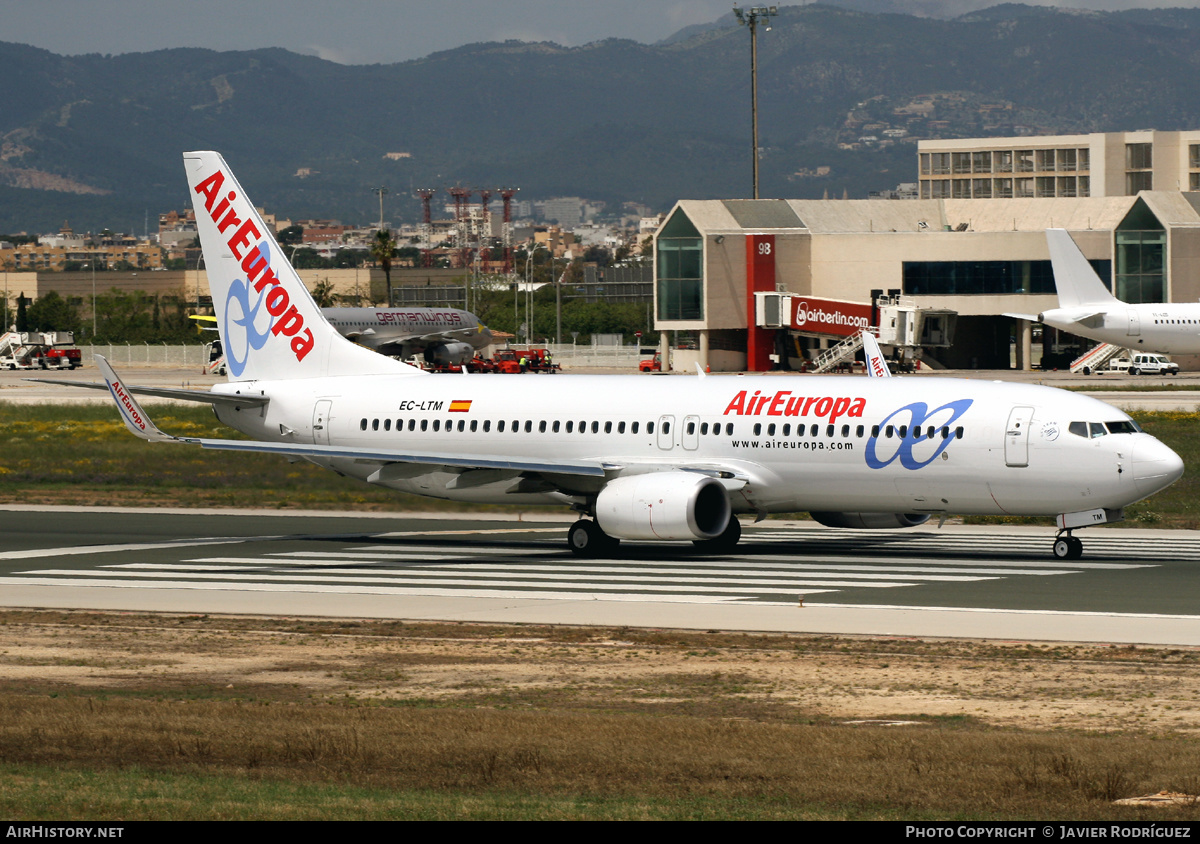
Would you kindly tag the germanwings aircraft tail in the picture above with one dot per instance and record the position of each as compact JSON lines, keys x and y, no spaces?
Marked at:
{"x":1077,"y":283}
{"x":270,"y":326}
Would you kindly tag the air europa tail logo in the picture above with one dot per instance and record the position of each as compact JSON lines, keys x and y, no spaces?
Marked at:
{"x":783,"y":403}
{"x":251,"y":249}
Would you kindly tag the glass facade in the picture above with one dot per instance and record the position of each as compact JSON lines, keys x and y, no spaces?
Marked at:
{"x":679,"y":252}
{"x":958,"y":278}
{"x":1141,"y":257}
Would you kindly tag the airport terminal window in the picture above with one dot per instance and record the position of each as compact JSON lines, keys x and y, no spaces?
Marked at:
{"x":1141,"y":257}
{"x":679,"y":255}
{"x":957,"y":278}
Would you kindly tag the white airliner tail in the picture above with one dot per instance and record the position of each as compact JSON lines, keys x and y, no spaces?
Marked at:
{"x":876,"y":363}
{"x":1077,"y":283}
{"x":270,"y":326}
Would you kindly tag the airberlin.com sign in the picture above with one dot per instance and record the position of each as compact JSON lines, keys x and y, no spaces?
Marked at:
{"x":829,"y":316}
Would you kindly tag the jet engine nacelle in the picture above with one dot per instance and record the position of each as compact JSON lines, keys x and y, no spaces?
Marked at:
{"x":663,"y":505}
{"x":450,"y":353}
{"x":875,"y":521}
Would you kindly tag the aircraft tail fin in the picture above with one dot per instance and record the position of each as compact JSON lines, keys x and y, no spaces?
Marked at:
{"x":876,"y":363}
{"x":270,"y":326}
{"x":1076,"y":281}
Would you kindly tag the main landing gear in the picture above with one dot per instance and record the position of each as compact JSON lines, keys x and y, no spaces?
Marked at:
{"x":586,"y":539}
{"x":1067,"y":547}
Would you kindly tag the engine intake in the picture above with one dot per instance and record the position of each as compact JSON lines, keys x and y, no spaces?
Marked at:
{"x":874,"y":521}
{"x":663,"y":505}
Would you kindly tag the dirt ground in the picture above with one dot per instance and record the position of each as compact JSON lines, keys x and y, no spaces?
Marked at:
{"x":1026,"y":685}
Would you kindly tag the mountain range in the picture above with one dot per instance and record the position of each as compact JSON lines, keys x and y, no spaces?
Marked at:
{"x":843,"y":93}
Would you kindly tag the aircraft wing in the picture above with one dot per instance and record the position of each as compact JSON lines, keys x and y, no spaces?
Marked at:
{"x":1030,"y":317}
{"x":202,"y":396}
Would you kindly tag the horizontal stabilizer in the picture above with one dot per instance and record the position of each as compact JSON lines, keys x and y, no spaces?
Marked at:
{"x":201,"y":396}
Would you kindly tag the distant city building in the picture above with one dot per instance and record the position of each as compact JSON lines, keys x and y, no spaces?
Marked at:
{"x":1099,"y":164}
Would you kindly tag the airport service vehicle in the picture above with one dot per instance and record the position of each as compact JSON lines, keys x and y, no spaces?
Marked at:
{"x":1149,"y":363}
{"x":640,"y":459}
{"x":1086,"y":308}
{"x":39,"y":349}
{"x":650,"y":364}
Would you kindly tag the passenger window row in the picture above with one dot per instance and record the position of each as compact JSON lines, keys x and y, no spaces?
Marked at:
{"x":517,"y":426}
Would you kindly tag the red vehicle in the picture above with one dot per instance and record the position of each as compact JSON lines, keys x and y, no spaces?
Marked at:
{"x":538,"y":360}
{"x":650,"y":364}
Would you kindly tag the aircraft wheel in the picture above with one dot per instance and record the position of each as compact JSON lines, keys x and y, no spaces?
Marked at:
{"x":724,"y":543}
{"x":1068,"y":548}
{"x":586,"y":539}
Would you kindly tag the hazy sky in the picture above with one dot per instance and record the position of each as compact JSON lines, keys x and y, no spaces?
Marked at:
{"x":362,"y":31}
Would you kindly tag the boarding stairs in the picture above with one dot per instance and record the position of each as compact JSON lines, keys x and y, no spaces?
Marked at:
{"x":16,"y":350}
{"x":834,"y":355}
{"x":1095,"y":358}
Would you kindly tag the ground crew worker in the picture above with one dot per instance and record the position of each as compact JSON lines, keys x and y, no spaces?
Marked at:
{"x":524,"y":363}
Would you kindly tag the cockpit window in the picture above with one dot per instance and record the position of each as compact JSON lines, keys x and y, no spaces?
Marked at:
{"x":1127,"y":426}
{"x":1097,"y":429}
{"x":1079,"y":429}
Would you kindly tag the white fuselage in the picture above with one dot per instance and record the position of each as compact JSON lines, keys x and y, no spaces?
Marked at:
{"x":1159,"y":327}
{"x":799,"y":443}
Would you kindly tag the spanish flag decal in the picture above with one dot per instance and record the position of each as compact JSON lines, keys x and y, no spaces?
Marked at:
{"x":460,"y":406}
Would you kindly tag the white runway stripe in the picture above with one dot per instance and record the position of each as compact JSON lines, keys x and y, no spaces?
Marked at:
{"x":422,"y":591}
{"x":423,"y":577}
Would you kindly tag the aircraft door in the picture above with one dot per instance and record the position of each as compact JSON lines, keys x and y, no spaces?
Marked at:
{"x":691,"y":432}
{"x":666,"y":432}
{"x":320,"y":424}
{"x":1135,"y":324}
{"x":1016,"y":437}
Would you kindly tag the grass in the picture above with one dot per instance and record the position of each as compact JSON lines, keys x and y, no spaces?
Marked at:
{"x":156,"y":746}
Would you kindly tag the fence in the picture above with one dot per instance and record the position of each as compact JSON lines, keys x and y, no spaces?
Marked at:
{"x":585,"y":357}
{"x":146,"y":354}
{"x":150,"y":354}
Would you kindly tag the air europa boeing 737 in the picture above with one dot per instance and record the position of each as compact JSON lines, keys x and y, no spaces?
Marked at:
{"x":642,"y":459}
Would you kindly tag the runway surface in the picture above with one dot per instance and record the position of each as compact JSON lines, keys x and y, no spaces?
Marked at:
{"x":1132,"y":586}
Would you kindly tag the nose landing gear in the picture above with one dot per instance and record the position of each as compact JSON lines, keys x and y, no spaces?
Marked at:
{"x":1067,"y":547}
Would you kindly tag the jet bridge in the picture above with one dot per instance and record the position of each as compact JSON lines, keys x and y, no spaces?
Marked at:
{"x":897,"y":321}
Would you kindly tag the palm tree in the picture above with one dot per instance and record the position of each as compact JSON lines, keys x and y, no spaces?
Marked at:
{"x":383,"y":249}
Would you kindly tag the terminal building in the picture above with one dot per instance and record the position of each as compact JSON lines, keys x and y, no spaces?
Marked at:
{"x":980,"y":256}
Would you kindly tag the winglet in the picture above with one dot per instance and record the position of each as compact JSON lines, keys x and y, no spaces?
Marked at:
{"x":876,"y":364}
{"x":132,"y":415}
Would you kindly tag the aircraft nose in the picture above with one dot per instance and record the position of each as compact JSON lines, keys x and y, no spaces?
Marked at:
{"x":1155,"y":466}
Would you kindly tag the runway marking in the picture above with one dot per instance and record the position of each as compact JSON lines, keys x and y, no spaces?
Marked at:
{"x":404,"y":591}
{"x":132,"y":546}
{"x":789,"y":563}
{"x":570,"y":572}
{"x":424,"y":577}
{"x":543,"y":569}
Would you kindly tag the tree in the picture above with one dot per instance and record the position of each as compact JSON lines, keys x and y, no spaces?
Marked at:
{"x":323,"y":294}
{"x":22,"y":315}
{"x":383,"y":249}
{"x":52,"y":312}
